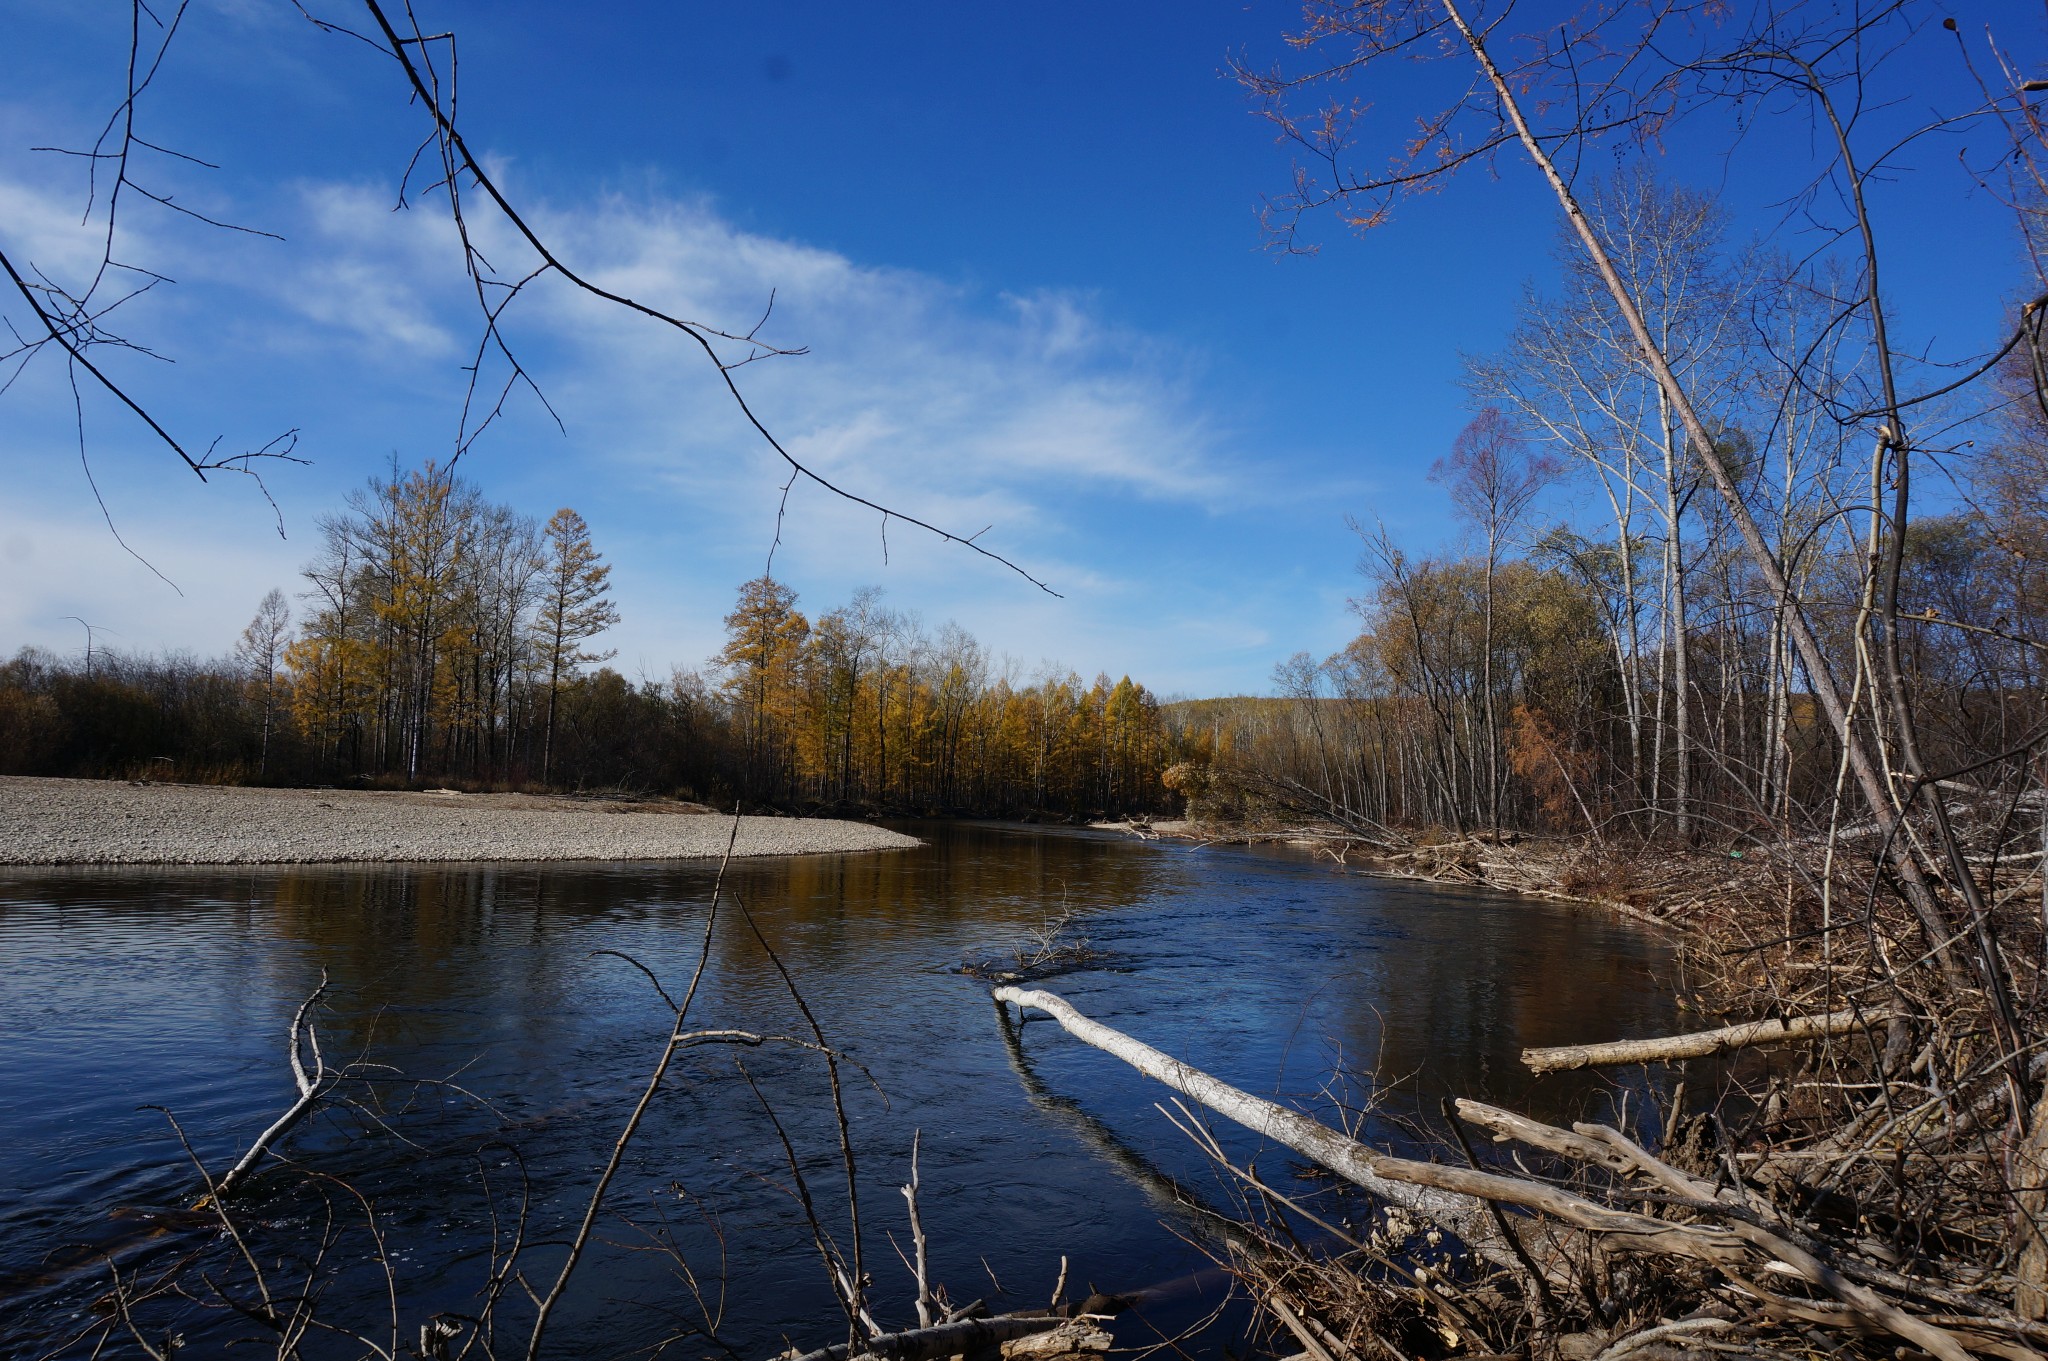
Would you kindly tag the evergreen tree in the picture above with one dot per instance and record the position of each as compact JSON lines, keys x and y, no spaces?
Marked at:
{"x":575,"y":607}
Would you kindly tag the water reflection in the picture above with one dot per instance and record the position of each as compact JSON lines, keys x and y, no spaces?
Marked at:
{"x":176,"y":986}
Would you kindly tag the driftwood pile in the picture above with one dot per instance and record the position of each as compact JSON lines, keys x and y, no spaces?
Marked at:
{"x":1581,"y":1243}
{"x":1034,"y":1336}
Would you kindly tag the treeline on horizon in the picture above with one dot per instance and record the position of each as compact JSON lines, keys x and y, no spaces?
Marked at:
{"x":1629,"y":672}
{"x":1626,"y":672}
{"x":442,"y":640}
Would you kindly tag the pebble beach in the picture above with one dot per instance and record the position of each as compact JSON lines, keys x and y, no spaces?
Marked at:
{"x":120,"y":822}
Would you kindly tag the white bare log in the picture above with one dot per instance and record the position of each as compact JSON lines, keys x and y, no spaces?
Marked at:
{"x":944,"y":1339}
{"x":1701,"y":1043}
{"x":1075,"y":1335}
{"x":1454,"y":1198}
{"x":311,"y":1087}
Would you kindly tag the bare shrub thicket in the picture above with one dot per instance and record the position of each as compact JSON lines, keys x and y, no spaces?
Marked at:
{"x":1785,"y":694}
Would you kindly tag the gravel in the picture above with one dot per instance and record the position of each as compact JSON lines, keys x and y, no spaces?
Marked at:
{"x":119,"y":822}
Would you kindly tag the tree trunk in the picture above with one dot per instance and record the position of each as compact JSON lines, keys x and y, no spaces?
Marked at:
{"x":2030,"y":1298}
{"x":1699,"y":1044}
{"x":1486,"y":684}
{"x":1677,"y":631}
{"x":547,"y":746}
{"x":1870,"y":780}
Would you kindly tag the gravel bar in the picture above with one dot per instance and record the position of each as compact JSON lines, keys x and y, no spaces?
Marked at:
{"x":118,"y":822}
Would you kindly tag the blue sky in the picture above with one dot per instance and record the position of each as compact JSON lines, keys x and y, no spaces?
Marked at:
{"x":1021,"y":243}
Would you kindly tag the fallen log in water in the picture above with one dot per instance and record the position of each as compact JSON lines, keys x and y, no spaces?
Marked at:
{"x":1701,"y":1043}
{"x":1737,"y":1239}
{"x":970,"y":1336}
{"x":1453,"y":1198}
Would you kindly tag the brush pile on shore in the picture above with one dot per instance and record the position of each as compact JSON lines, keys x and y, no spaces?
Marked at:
{"x":1852,"y":1162}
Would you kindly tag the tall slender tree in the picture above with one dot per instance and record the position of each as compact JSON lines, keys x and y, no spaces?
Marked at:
{"x":765,"y":638}
{"x":259,"y":653}
{"x":575,"y":607}
{"x":1492,"y":476}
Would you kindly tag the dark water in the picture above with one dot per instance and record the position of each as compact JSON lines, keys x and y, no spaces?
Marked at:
{"x":175,"y":988}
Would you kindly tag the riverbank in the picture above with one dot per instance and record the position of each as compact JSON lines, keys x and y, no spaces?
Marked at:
{"x":118,"y":822}
{"x":1670,"y":888}
{"x":1883,"y":1121}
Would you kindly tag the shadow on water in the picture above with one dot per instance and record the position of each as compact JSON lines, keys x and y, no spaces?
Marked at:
{"x":175,"y":986}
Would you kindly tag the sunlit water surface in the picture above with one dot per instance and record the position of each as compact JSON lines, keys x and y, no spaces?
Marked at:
{"x":175,"y":988}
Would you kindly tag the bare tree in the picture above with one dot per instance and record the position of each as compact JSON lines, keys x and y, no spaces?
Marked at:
{"x":1493,"y":477}
{"x":1504,"y":85}
{"x":260,"y":653}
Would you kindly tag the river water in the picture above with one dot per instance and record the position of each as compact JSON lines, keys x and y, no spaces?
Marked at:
{"x":174,"y":988}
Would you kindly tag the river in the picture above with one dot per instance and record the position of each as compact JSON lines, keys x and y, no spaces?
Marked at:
{"x":124,"y":989}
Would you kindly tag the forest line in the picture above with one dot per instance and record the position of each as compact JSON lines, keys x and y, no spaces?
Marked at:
{"x":1620,"y":672}
{"x":1626,"y":670}
{"x":445,"y":639}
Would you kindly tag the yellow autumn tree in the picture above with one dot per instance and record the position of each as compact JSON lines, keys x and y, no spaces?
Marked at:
{"x":762,"y":663}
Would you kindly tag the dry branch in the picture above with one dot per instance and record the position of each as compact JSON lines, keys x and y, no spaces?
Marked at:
{"x":1733,"y":1239}
{"x":1701,"y":1043}
{"x":1454,"y":1198}
{"x":966,"y":1337}
{"x":313,"y":1085}
{"x":921,"y":1269}
{"x":1608,"y":1147}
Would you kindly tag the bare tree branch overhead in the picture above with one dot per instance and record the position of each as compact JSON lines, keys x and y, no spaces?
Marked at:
{"x":77,"y":321}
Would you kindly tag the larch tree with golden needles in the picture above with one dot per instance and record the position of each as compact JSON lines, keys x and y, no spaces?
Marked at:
{"x":575,"y":607}
{"x":765,"y":638}
{"x":421,"y":526}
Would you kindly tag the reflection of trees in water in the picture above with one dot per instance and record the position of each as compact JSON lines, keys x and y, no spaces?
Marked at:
{"x":402,"y":924}
{"x":985,"y":873}
{"x":462,"y":955}
{"x":414,"y":950}
{"x":454,"y":959}
{"x":1453,"y":1005}
{"x":984,"y":879}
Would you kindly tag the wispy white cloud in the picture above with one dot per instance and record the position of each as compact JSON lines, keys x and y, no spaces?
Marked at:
{"x":1074,"y":439}
{"x":58,"y":559}
{"x":910,"y":383}
{"x":47,"y":231}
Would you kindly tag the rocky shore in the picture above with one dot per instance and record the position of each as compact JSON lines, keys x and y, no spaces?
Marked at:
{"x":117,"y":822}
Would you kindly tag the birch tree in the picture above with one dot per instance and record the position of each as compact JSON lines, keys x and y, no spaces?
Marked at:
{"x":260,"y":654}
{"x":1492,"y":477}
